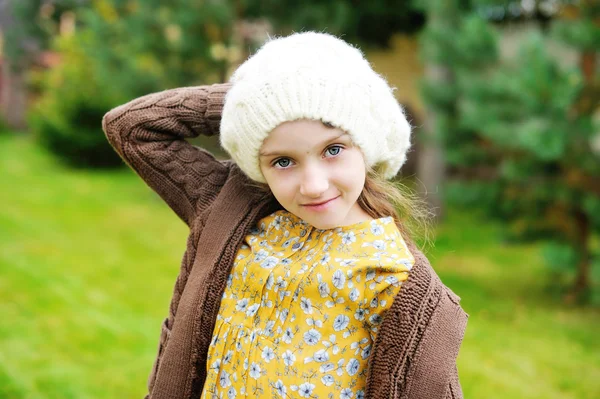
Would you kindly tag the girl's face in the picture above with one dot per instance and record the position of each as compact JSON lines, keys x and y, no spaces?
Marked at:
{"x":315,"y":172}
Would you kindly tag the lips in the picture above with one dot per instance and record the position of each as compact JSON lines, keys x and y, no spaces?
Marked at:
{"x":321,"y":204}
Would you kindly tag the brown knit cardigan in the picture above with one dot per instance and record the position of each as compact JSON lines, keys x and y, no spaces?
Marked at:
{"x":414,"y":355}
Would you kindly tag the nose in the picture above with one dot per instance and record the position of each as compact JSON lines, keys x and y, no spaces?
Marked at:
{"x":314,"y":181}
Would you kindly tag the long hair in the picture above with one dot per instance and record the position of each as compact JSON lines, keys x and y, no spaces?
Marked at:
{"x":382,"y":198}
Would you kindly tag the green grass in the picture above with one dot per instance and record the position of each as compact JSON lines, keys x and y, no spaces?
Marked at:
{"x":88,"y":262}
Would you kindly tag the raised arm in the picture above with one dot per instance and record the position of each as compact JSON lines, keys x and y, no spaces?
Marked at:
{"x":149,"y":134}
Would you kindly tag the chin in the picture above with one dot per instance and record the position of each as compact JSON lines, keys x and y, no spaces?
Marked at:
{"x":323,"y":223}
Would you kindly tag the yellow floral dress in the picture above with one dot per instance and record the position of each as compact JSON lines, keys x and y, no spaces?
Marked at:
{"x":301,"y":309}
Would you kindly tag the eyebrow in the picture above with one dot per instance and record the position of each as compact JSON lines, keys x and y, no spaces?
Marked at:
{"x":322,"y":144}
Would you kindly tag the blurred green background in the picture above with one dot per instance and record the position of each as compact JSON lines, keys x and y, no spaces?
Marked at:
{"x":504,"y":98}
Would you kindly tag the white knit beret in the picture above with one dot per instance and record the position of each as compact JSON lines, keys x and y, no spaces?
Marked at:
{"x":316,"y":76}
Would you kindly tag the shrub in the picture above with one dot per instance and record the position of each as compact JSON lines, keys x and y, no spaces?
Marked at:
{"x":67,"y":119}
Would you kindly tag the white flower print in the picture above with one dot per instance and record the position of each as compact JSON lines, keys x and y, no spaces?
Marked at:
{"x":321,"y":356}
{"x":360,"y":314}
{"x":251,"y":311}
{"x":326,"y":367}
{"x":366,"y":352}
{"x":306,"y":389}
{"x":224,"y":380}
{"x":269,"y":263}
{"x":303,"y":269}
{"x":289,"y":358}
{"x":268,"y":330}
{"x":323,"y":289}
{"x":374,"y":302}
{"x":260,"y":255}
{"x":393,"y":280}
{"x":280,"y":388}
{"x":354,"y":294}
{"x":340,"y":322}
{"x":284,"y":314}
{"x":376,"y":229}
{"x":288,"y":335}
{"x":348,"y":238}
{"x":255,"y":371}
{"x":370,"y":275}
{"x":375,"y":319}
{"x":340,"y":367}
{"x":327,"y":380}
{"x":336,"y":299}
{"x":289,"y":241}
{"x":352,"y":367}
{"x":306,"y":305}
{"x":281,"y":284}
{"x":325,"y":258}
{"x":278,"y":276}
{"x":338,"y":279}
{"x":270,"y":281}
{"x":283,"y":294}
{"x":314,"y":322}
{"x":379,"y":245}
{"x":277,"y":222}
{"x":311,"y":337}
{"x":242,"y":304}
{"x":268,"y":354}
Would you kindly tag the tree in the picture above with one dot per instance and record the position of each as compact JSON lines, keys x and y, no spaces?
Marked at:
{"x":536,"y":121}
{"x":28,"y":27}
{"x":124,"y":49}
{"x":455,"y":44}
{"x":370,"y":23}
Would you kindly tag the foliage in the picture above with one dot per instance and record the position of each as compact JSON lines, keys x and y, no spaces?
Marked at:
{"x":364,"y":22}
{"x":528,"y":114}
{"x":124,"y":49}
{"x":67,"y":117}
{"x":33,"y":25}
{"x":518,"y":138}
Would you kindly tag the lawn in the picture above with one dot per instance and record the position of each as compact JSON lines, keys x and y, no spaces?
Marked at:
{"x":88,"y":262}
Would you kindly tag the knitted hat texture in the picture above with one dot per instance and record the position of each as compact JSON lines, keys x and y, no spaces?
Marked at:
{"x":316,"y":76}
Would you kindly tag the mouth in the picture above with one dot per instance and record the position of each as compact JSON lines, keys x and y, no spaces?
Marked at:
{"x":320,"y":205}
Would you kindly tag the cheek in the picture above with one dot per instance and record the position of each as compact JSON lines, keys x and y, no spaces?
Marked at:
{"x":352,"y":171}
{"x":281,"y":186}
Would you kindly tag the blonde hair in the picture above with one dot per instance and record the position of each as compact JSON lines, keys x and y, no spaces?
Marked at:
{"x":382,"y":198}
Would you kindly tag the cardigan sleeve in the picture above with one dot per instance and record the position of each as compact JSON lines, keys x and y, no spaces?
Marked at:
{"x":150,"y":132}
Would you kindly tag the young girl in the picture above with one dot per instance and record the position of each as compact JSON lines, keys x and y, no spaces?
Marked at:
{"x":300,"y":278}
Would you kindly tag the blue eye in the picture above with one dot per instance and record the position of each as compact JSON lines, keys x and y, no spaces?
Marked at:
{"x":334,"y":150}
{"x":282,"y":162}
